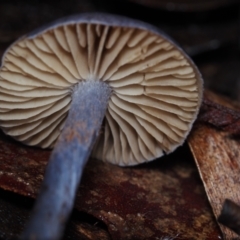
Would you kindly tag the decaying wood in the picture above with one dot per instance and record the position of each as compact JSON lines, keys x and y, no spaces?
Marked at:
{"x":216,"y":152}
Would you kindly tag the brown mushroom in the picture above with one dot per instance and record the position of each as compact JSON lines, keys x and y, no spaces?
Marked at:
{"x":91,"y":72}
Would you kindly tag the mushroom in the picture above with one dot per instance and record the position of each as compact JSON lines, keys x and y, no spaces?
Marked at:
{"x":99,"y":84}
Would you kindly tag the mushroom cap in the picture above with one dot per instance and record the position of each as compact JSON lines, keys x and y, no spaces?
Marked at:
{"x":156,"y":88}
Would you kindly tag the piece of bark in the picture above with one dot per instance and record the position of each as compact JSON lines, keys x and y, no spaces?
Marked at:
{"x":151,"y":201}
{"x":220,"y":114}
{"x":216,"y":152}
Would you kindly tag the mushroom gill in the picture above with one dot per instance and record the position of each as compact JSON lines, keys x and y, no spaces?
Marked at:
{"x":155,"y":89}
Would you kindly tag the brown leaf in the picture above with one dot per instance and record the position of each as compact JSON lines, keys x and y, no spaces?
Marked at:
{"x":217,"y":153}
{"x":162,"y":198}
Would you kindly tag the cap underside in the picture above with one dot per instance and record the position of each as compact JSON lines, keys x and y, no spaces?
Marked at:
{"x":155,"y":89}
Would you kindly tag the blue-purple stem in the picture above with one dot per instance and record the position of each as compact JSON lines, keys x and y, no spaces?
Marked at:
{"x":62,"y":177}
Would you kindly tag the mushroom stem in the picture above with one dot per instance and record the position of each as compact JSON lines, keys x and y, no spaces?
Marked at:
{"x":56,"y":198}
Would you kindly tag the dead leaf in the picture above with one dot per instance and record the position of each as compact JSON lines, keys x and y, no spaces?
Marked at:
{"x":217,"y":153}
{"x":151,"y":201}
